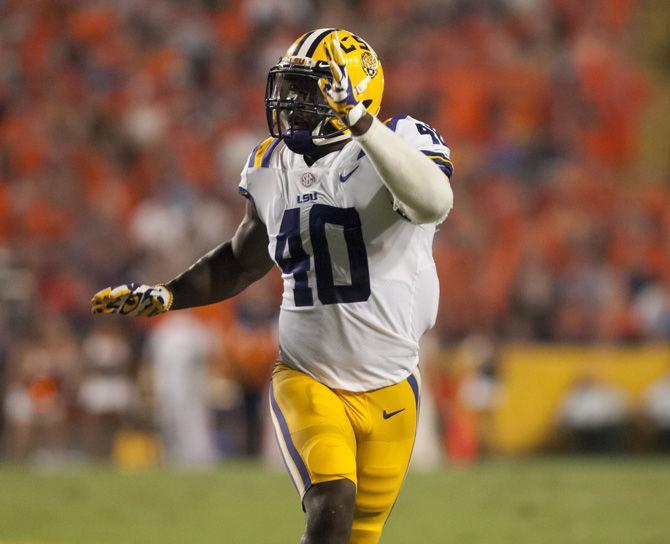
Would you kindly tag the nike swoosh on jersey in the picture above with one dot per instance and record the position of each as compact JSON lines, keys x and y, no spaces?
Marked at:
{"x":387,"y":415}
{"x":343,"y":179}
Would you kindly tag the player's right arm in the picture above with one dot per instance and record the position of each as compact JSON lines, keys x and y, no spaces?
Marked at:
{"x":419,"y":187}
{"x":220,"y":274}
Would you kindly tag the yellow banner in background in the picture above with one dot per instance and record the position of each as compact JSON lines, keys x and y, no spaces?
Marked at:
{"x":535,"y":379}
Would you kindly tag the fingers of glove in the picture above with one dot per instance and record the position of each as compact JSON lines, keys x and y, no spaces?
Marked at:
{"x":101,"y":294}
{"x":118,"y":297}
{"x":336,"y":98}
{"x":326,"y":89}
{"x":124,"y":300}
{"x":102,"y":309}
{"x":336,"y":52}
{"x":99,"y":301}
{"x":336,"y":68}
{"x":109,"y":300}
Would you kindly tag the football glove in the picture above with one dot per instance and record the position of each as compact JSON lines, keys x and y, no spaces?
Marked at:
{"x":132,"y":299}
{"x":340,"y":93}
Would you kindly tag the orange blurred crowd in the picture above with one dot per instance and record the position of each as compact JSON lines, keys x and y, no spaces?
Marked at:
{"x":124,"y":126}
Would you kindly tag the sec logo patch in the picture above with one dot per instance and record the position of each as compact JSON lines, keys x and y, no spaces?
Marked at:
{"x":307,"y":179}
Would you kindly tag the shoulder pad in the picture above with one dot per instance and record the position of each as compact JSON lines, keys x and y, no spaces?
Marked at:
{"x":425,"y":138}
{"x":392,"y":122}
{"x":261,"y":154}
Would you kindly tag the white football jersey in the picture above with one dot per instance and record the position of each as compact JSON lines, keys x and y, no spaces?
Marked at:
{"x":360,"y":286}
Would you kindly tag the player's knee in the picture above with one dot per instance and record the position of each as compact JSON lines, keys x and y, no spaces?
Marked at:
{"x":329,"y":457}
{"x":329,"y":507}
{"x":379,"y":488}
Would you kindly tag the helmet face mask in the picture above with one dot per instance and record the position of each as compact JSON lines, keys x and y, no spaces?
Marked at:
{"x":296,"y":110}
{"x":294,"y":103}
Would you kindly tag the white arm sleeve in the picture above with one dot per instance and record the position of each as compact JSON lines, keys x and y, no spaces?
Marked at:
{"x":421,"y":190}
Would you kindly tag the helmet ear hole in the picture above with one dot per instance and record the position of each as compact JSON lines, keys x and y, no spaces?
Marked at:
{"x":367,"y":103}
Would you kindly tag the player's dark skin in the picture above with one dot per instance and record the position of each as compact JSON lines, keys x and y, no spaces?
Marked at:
{"x":223,"y":273}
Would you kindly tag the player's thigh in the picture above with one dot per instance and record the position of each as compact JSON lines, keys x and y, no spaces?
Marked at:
{"x":312,"y":428}
{"x":383,"y":457}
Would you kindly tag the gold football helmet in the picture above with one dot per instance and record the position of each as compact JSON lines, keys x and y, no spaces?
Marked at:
{"x":296,"y":109}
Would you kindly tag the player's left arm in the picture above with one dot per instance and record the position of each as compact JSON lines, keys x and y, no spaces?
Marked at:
{"x":220,"y":274}
{"x":226,"y":270}
{"x":421,"y":189}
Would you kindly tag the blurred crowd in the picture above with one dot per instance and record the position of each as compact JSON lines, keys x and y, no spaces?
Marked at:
{"x":124,"y":126}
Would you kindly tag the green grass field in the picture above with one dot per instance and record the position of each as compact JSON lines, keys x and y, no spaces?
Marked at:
{"x":517,"y":502}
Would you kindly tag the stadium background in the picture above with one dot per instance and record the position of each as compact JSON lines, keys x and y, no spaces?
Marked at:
{"x":123,"y":129}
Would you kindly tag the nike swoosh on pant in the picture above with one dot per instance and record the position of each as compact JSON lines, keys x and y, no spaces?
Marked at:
{"x":387,"y":415}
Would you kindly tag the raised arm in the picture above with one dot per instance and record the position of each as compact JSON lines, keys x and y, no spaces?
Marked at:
{"x":220,"y":274}
{"x":420,"y":189}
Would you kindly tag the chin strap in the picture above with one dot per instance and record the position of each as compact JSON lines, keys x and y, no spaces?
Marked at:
{"x":320,"y":140}
{"x":304,"y":142}
{"x":327,"y":141}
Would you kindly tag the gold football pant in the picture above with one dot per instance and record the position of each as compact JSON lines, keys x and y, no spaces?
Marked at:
{"x":329,"y":434}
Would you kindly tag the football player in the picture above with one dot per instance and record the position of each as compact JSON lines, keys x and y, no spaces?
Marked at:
{"x":346,"y":206}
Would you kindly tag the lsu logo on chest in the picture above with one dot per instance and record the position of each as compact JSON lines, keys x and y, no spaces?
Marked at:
{"x":307,"y":197}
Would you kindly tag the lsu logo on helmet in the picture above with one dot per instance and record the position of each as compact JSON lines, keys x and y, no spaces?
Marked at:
{"x":370,"y":64}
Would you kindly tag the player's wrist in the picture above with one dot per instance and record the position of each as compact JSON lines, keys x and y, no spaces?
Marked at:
{"x":354,"y":115}
{"x":166,"y":294}
{"x":362,"y":124}
{"x":366,"y":128}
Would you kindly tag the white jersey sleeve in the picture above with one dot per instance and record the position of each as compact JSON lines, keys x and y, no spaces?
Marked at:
{"x":423,"y":137}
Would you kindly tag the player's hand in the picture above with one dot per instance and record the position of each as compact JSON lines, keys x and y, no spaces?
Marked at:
{"x":132,"y":299}
{"x":340,"y":93}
